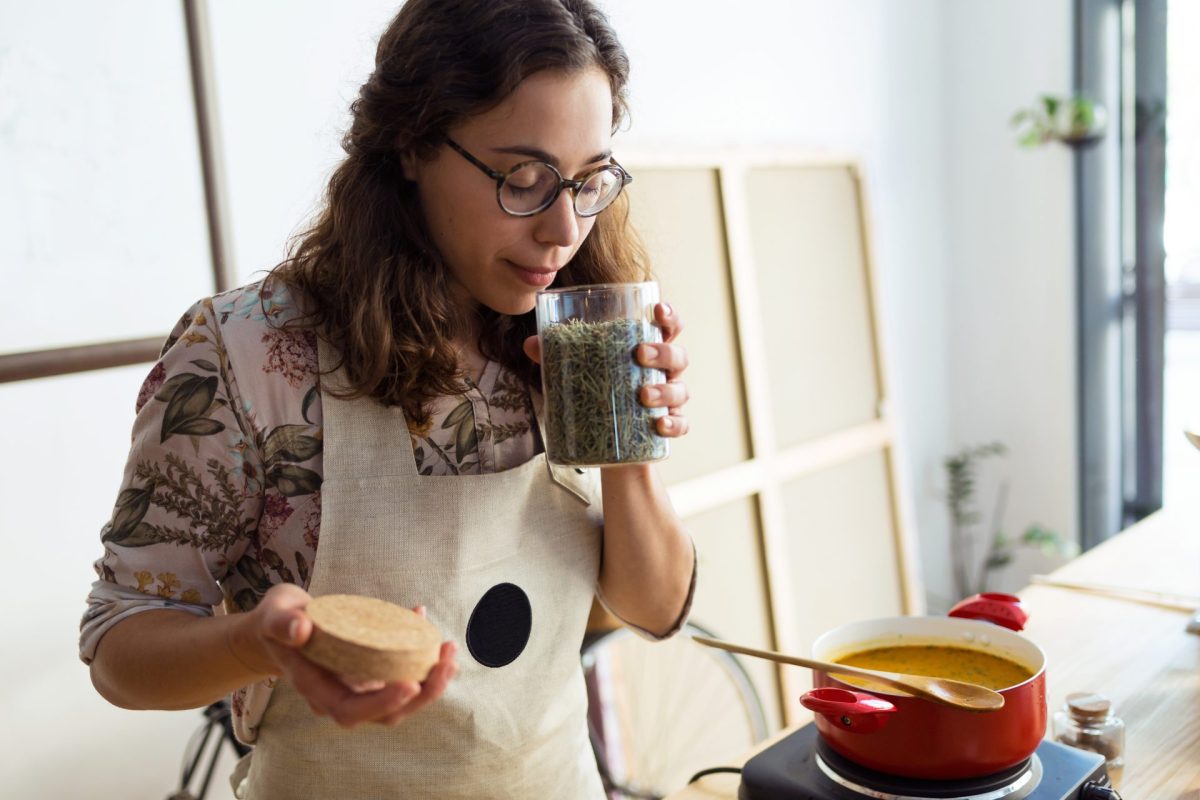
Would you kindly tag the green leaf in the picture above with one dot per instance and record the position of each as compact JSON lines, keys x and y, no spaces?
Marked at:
{"x":1036,"y":534}
{"x":310,"y":397}
{"x":200,"y":427}
{"x":190,"y":402}
{"x":1031,"y":139}
{"x":172,"y":384}
{"x":302,"y":565}
{"x":205,"y":365}
{"x":140,"y":536}
{"x":458,"y":414}
{"x":290,"y":443}
{"x":465,"y":441}
{"x":292,"y":481}
{"x":271,"y":558}
{"x":254,"y":574}
{"x":246,"y":599}
{"x":998,"y":560}
{"x":131,"y":508}
{"x":275,"y":562}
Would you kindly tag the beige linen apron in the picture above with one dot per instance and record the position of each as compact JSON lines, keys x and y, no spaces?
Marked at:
{"x":500,"y":554}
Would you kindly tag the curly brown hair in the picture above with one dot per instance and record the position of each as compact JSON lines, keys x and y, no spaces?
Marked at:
{"x":372,"y":282}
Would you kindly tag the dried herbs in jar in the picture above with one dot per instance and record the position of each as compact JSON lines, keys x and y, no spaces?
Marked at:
{"x":591,"y":378}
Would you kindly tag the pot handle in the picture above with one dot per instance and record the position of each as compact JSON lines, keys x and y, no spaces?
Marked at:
{"x":856,"y":712}
{"x":1005,"y":610}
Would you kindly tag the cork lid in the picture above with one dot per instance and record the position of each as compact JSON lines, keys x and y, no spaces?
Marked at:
{"x":372,"y":623}
{"x":1088,"y":705}
{"x":366,"y":639}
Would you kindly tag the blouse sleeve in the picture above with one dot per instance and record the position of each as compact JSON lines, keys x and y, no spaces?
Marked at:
{"x":680,"y":620}
{"x":190,"y":499}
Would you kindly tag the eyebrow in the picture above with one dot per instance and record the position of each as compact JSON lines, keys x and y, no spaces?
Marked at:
{"x":542,"y":155}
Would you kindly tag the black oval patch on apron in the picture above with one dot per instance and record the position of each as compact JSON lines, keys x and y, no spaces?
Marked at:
{"x":499,"y":626}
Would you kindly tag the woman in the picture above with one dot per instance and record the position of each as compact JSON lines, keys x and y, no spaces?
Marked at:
{"x":365,"y":421}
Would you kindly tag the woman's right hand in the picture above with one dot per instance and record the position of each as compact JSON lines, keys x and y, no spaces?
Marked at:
{"x":271,"y":639}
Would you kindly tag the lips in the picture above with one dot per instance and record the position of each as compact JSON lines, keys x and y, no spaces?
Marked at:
{"x":534,"y":276}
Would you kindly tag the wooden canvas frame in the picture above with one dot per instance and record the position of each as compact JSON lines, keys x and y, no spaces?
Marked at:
{"x":761,"y":477}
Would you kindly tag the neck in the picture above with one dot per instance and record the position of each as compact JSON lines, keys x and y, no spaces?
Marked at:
{"x":465,"y":338}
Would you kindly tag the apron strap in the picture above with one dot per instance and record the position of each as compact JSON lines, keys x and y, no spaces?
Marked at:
{"x":237,"y":778}
{"x":367,"y":438}
{"x":360,"y":438}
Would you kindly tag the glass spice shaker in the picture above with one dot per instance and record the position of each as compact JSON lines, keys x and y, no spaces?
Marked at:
{"x":1086,"y":721}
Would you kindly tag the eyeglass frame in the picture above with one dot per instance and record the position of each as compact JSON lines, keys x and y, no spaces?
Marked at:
{"x":569,"y":183}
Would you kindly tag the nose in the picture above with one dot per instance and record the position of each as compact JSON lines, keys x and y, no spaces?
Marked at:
{"x":558,"y":225}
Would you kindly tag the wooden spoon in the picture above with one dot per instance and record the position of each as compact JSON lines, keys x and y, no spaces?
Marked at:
{"x":967,"y":696}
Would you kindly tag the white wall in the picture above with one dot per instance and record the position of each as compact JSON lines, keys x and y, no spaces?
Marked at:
{"x":971,"y":236}
{"x":102,"y":236}
{"x":863,"y":78}
{"x":1010,"y":257}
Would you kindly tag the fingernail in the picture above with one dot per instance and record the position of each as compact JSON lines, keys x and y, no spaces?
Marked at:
{"x":667,"y":310}
{"x":668,"y":423}
{"x":293,"y":630}
{"x":649,"y":351}
{"x":653,"y":395}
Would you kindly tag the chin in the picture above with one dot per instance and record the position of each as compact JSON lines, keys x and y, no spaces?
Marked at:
{"x":514,"y":306}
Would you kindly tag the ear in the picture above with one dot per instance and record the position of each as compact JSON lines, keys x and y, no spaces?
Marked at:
{"x":410,"y":164}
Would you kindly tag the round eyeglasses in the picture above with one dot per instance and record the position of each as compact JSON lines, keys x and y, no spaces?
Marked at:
{"x":532,"y":186}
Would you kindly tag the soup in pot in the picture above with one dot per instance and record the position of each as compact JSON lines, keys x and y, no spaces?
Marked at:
{"x":939,"y":661}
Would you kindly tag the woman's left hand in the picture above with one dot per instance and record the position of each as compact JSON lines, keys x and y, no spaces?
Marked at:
{"x":669,"y":357}
{"x":672,"y":359}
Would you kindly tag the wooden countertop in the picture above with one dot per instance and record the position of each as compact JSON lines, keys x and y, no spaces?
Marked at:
{"x":1139,"y":655}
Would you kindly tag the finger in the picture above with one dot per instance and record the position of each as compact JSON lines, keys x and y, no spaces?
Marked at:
{"x":434,"y":686}
{"x":282,"y":616}
{"x":425,"y":694}
{"x":669,"y":320}
{"x":403,"y":711}
{"x":670,"y":395}
{"x":672,"y":425}
{"x":533,"y":348}
{"x":359,"y":687}
{"x":671,"y":358}
{"x":323,"y":689}
{"x":289,"y":627}
{"x":286,"y":595}
{"x":355,"y":709}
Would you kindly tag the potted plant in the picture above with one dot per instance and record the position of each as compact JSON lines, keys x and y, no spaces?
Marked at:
{"x":1076,"y":121}
{"x":975,"y":552}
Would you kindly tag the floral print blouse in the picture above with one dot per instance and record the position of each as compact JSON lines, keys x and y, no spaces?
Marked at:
{"x":221,"y":497}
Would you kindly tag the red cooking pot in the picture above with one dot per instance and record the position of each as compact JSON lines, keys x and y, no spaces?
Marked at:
{"x":903,"y":735}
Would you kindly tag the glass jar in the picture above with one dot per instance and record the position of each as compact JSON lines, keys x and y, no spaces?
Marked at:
{"x":1086,"y":721}
{"x":590,"y":376}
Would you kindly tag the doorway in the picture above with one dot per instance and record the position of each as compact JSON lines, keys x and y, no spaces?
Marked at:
{"x":1181,"y":240}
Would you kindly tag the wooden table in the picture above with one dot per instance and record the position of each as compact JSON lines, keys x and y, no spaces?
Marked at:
{"x":1138,"y":655}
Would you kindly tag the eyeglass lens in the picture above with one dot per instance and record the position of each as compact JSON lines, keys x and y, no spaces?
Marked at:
{"x":533,"y":187}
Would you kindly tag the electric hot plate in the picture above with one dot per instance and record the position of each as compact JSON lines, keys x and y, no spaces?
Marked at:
{"x":803,"y":767}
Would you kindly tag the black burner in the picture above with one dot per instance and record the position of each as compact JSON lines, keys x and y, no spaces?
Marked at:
{"x":792,"y":769}
{"x":917,"y":787}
